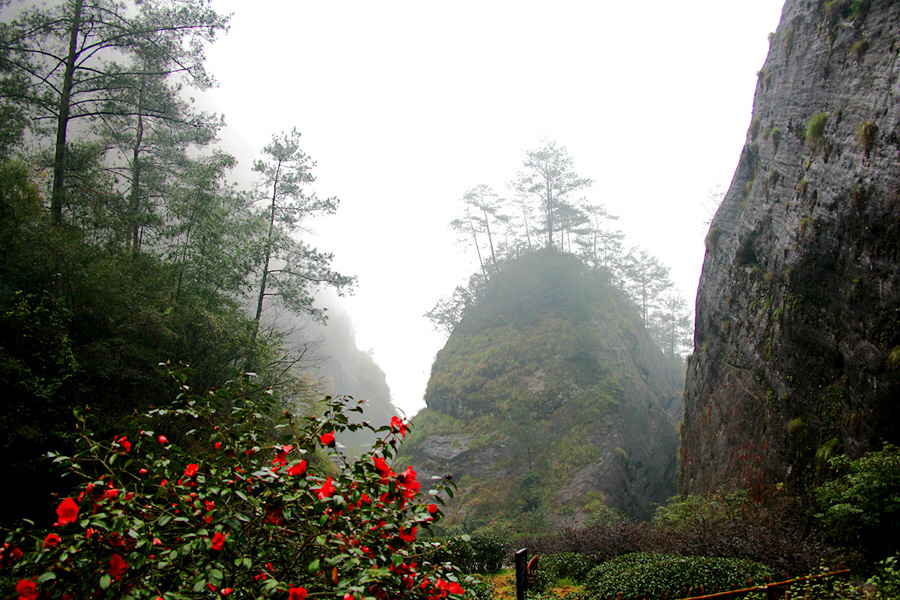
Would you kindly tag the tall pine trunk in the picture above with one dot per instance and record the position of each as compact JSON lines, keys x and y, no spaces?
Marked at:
{"x":62,"y":123}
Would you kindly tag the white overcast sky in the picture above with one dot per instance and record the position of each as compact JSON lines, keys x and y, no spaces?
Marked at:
{"x":406,"y":105}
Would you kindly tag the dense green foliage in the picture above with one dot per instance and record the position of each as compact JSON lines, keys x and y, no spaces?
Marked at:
{"x":229,"y":512}
{"x":860,"y":507}
{"x":656,"y":574}
{"x":122,"y":243}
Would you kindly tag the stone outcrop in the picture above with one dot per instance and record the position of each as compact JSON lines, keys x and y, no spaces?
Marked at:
{"x":549,"y":399}
{"x":797,"y":345}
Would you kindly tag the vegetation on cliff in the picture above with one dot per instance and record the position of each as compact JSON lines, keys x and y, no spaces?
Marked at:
{"x":549,"y":401}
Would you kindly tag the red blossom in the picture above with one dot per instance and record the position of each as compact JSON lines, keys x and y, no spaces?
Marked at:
{"x":67,"y":511}
{"x":123,"y":442}
{"x":162,"y":439}
{"x":281,"y":455}
{"x":27,"y":589}
{"x":408,"y":536}
{"x":51,"y":540}
{"x":226,"y":591}
{"x":298,"y":469}
{"x":191,"y":470}
{"x":327,"y":439}
{"x":218,"y":541}
{"x":326,"y":491}
{"x":383,"y":469}
{"x":117,"y":566}
{"x":297,"y":593}
{"x":275,"y":515}
{"x":16,"y":553}
{"x":399,"y":426}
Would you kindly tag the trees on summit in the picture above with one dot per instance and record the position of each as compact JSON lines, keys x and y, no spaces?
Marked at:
{"x":550,"y":208}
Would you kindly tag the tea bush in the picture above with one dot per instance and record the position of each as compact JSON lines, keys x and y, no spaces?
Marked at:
{"x":236,"y":516}
{"x":860,"y":508}
{"x":656,"y":574}
{"x":567,"y":565}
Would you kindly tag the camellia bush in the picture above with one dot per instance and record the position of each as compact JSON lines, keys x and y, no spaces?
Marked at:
{"x":227,"y":512}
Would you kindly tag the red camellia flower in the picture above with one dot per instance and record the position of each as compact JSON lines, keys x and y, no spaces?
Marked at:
{"x":27,"y":589}
{"x":327,"y":439}
{"x":399,"y":426}
{"x":191,"y":470}
{"x":218,"y":541}
{"x":383,"y":469}
{"x":432,"y":508}
{"x":67,"y":511}
{"x":281,"y":455}
{"x":51,"y":540}
{"x":117,"y":566}
{"x":298,"y":469}
{"x":297,"y":593}
{"x":348,"y":596}
{"x":226,"y":591}
{"x":123,"y":441}
{"x":408,"y":536}
{"x":162,"y":439}
{"x":327,"y":490}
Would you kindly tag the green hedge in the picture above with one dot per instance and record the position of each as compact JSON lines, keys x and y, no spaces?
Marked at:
{"x":655,"y":574}
{"x":566,"y":565}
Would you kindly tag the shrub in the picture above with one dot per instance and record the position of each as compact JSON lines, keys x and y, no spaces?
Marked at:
{"x":237,"y":515}
{"x":887,"y":577}
{"x":866,"y":136}
{"x":815,"y":131}
{"x":567,"y":565}
{"x":860,"y":508}
{"x":656,"y":574}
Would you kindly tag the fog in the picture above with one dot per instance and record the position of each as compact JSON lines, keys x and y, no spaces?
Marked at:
{"x":406,"y":105}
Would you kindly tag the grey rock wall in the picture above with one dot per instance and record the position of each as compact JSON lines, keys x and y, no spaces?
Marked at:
{"x":797,"y":343}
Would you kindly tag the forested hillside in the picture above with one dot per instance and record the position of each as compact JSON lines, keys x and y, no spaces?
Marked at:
{"x":123,"y":242}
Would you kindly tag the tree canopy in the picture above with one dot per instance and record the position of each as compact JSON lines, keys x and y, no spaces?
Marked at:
{"x":547,"y":204}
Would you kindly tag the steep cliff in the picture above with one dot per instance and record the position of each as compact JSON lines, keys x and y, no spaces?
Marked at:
{"x":549,"y":400}
{"x":339,"y":367}
{"x":797,"y":344}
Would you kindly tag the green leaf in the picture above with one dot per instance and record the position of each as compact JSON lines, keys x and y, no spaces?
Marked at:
{"x":314,"y":566}
{"x":163,"y":520}
{"x":47,"y":577}
{"x":105,"y":581}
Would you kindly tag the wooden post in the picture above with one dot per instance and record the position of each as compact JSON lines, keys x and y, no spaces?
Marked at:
{"x":521,"y":573}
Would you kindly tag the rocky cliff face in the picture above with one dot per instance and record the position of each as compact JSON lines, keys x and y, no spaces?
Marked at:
{"x":549,"y":401}
{"x":797,"y":345}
